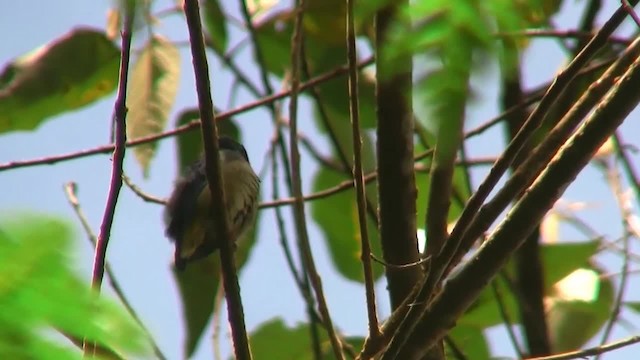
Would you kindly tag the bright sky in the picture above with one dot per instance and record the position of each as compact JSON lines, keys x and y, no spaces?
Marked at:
{"x":139,"y":252}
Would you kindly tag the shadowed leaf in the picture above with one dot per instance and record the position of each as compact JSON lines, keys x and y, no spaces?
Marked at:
{"x":215,"y":24}
{"x":68,"y":73}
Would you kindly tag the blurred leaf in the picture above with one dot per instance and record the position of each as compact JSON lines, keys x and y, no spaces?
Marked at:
{"x":190,"y":142}
{"x":199,"y":284}
{"x":152,"y":90}
{"x":572,"y":323}
{"x":471,"y":341}
{"x":274,"y":38}
{"x":274,"y":340}
{"x":38,"y":289}
{"x":633,"y":305}
{"x":561,"y":259}
{"x":558,"y":259}
{"x":215,"y":24}
{"x":68,"y":73}
{"x":342,"y":233}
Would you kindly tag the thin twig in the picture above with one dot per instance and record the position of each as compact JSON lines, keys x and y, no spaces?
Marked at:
{"x":299,"y":212}
{"x":626,"y":212}
{"x":119,"y":118}
{"x":215,"y":182}
{"x":104,"y":149}
{"x":502,"y":308}
{"x":358,"y":175}
{"x":141,"y":194}
{"x":627,"y":164}
{"x":70,"y":190}
{"x":583,"y":354}
{"x":632,"y":13}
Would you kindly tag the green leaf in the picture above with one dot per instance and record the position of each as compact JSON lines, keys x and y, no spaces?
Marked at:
{"x":471,"y":341}
{"x":199,"y":284}
{"x":633,"y":305}
{"x":558,"y":259}
{"x":342,"y":233}
{"x":573,"y":322}
{"x":215,"y":24}
{"x":152,"y":90}
{"x":68,"y":73}
{"x":190,"y":142}
{"x":38,"y":289}
{"x":274,"y":340}
{"x":561,"y":259}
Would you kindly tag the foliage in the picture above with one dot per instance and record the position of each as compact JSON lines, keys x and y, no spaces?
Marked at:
{"x":449,"y":42}
{"x":39,"y":294}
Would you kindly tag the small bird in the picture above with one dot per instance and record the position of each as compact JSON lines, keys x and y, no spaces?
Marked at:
{"x":187,"y":214}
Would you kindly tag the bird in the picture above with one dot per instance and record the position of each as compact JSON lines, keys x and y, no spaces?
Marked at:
{"x":187,"y":215}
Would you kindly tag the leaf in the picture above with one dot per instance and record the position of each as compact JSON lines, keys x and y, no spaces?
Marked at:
{"x":633,"y":305}
{"x":274,"y":340}
{"x":471,"y":341}
{"x":190,"y":142}
{"x":151,"y":92}
{"x":199,"y":284}
{"x":572,"y":323}
{"x":558,"y":259}
{"x":342,"y":233}
{"x":68,"y":73}
{"x":37,"y":288}
{"x":215,"y":24}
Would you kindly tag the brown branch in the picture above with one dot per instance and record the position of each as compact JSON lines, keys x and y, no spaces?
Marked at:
{"x":583,"y":354}
{"x":215,"y":182}
{"x":141,"y":194}
{"x":299,"y":212}
{"x":104,"y":149}
{"x":529,"y":270}
{"x":70,"y":190}
{"x":120,"y":114}
{"x":358,"y":175}
{"x":396,"y":183}
{"x":462,"y":289}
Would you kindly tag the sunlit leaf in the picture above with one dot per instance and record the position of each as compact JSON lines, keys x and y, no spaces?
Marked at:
{"x":152,"y":90}
{"x":558,"y":259}
{"x":573,"y":322}
{"x":215,"y":23}
{"x":38,"y":290}
{"x":68,"y":73}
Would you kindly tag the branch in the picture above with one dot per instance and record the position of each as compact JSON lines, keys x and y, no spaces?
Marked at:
{"x":299,"y":213}
{"x":396,"y":183}
{"x":104,"y":149}
{"x":358,"y":175}
{"x":215,"y":182}
{"x":120,"y":114}
{"x":583,"y":354}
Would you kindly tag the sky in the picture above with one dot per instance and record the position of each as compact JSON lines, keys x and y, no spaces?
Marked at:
{"x":139,"y":252}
